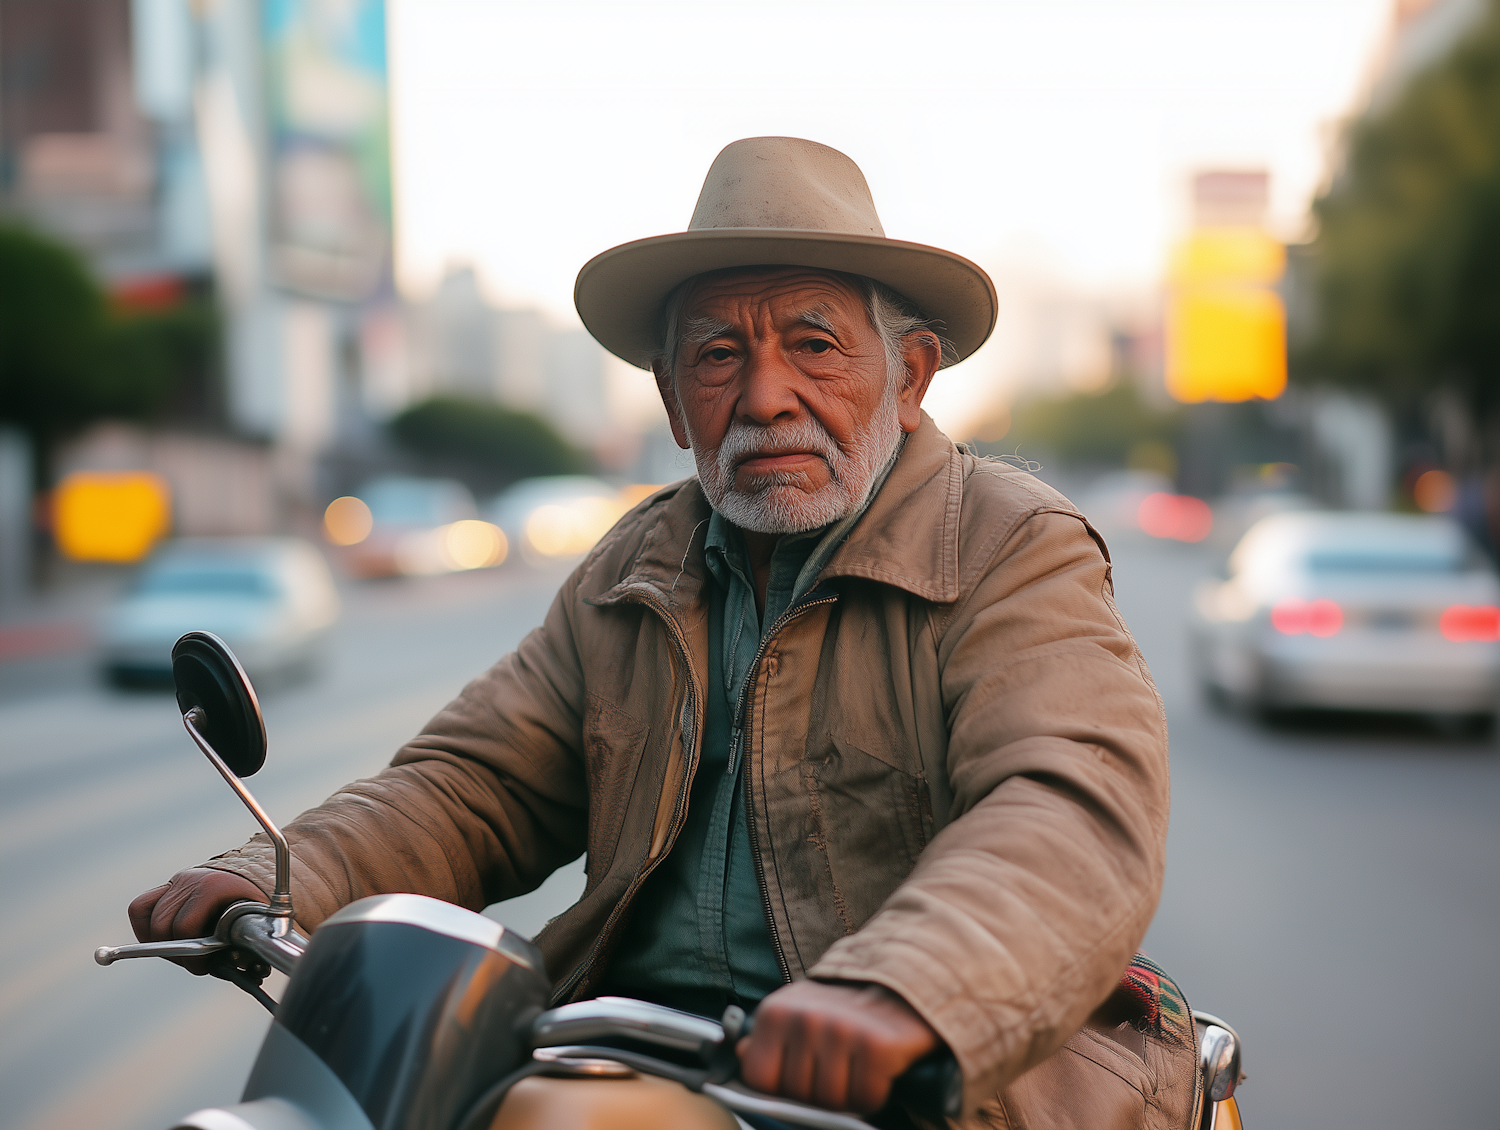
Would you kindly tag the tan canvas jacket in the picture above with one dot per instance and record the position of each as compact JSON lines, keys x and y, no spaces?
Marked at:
{"x":957,"y":766}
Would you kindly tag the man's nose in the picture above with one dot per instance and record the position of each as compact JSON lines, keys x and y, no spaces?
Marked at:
{"x":768,"y":386}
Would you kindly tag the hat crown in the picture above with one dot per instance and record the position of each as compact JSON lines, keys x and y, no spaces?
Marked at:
{"x":786,"y":183}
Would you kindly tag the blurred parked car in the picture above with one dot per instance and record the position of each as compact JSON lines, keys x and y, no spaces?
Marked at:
{"x":558,"y":516}
{"x":1382,"y":612}
{"x":401,"y":526}
{"x":271,"y":599}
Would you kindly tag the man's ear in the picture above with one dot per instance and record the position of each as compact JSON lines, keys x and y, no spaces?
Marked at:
{"x":668,"y":391}
{"x":922,"y":354}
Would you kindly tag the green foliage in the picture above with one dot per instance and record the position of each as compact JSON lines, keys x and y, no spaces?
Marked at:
{"x":52,"y":319}
{"x":493,"y":444}
{"x":1407,"y":259}
{"x":67,"y":359}
{"x":1108,"y":428}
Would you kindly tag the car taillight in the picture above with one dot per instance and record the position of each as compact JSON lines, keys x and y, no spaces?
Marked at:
{"x":1321,"y":618}
{"x":1463,"y":622}
{"x":1179,"y":516}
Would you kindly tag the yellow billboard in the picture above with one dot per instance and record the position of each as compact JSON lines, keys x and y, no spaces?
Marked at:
{"x":112,"y":516}
{"x":1226,"y":326}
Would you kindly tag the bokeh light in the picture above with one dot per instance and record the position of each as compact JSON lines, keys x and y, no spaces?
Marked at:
{"x":347,"y":521}
{"x":1180,"y":517}
{"x":472,"y":544}
{"x":567,"y":529}
{"x":1321,"y":618}
{"x":1435,"y":492}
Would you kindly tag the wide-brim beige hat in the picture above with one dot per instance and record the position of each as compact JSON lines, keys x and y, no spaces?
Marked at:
{"x":778,"y":201}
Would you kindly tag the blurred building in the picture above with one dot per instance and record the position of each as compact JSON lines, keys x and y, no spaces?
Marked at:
{"x":463,"y":345}
{"x":97,"y":143}
{"x":233,"y":146}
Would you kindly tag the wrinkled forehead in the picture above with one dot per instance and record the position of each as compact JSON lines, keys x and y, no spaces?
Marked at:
{"x":741,"y":291}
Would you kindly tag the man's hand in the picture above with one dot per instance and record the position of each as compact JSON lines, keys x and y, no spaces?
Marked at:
{"x":838,"y":1046}
{"x":187,"y":906}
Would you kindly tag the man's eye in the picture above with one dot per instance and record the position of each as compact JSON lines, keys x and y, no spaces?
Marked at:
{"x":818,"y":345}
{"x":719,"y":353}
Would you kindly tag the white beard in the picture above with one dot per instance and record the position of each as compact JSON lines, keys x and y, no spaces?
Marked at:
{"x":777,"y":503}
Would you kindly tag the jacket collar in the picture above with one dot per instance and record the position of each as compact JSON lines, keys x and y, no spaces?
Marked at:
{"x":908,"y":536}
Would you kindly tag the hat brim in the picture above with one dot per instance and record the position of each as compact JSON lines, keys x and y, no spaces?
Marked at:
{"x":620,"y":292}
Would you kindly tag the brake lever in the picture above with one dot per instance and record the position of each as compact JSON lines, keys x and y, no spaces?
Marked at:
{"x":186,"y":947}
{"x":268,"y":935}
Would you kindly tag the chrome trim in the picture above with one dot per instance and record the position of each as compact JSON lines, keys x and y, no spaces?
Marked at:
{"x":750,"y":1102}
{"x":269,"y":936}
{"x":1219,"y":1056}
{"x":583,"y":1066}
{"x":428,"y":913}
{"x":588,"y":1021}
{"x":213,"y":1118}
{"x":259,"y":1114}
{"x":281,"y":897}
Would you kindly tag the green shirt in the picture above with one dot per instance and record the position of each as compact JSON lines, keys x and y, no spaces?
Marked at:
{"x":697,"y":938}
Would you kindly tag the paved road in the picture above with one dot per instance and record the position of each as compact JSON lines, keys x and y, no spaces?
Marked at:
{"x":1331,"y":888}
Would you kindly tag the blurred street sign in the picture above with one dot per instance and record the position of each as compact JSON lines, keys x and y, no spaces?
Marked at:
{"x":1226,"y":326}
{"x":112,"y":516}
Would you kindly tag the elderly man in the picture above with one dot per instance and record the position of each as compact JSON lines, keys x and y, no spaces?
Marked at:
{"x":848,"y":726}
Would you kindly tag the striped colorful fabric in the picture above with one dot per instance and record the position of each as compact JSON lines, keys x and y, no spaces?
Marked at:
{"x":1158,"y":1005}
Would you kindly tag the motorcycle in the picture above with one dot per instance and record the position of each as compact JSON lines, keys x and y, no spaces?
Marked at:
{"x":403,"y":1012}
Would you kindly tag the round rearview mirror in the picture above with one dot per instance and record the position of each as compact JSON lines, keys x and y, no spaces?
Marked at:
{"x":208,"y":676}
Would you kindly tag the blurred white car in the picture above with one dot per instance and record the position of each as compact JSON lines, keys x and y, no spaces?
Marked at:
{"x":272,"y":600}
{"x":404,"y":526}
{"x":1382,"y":612}
{"x":558,"y":516}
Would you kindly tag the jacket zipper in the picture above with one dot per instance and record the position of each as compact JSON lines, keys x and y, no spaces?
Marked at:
{"x":739,"y":728}
{"x":690,"y":757}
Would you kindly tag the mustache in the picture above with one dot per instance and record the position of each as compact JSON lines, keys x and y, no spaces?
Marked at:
{"x":743,"y":441}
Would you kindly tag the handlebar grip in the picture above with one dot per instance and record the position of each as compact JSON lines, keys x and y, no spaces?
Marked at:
{"x":932,"y":1088}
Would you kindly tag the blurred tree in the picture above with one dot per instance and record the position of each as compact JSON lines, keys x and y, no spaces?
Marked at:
{"x":52,"y":316}
{"x":67,"y":358}
{"x":483,"y":443}
{"x":1406,"y":263}
{"x":1111,"y":428}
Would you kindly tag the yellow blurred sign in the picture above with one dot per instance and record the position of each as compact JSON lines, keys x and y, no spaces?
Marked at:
{"x":114,"y":516}
{"x":1226,"y":327}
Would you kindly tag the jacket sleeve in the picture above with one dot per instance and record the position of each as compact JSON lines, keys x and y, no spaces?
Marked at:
{"x":1022,"y":913}
{"x":481,"y":806}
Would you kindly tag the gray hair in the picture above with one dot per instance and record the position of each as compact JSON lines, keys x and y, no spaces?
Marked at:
{"x":892,"y":315}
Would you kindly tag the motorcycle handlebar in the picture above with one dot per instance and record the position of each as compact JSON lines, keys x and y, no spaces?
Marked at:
{"x":270,"y":937}
{"x":248,"y":925}
{"x":931,"y":1088}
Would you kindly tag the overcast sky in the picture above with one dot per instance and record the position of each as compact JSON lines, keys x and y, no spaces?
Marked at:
{"x":531,"y":136}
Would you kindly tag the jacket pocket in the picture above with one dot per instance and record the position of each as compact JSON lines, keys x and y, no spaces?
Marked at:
{"x":866,"y":819}
{"x":613,"y":748}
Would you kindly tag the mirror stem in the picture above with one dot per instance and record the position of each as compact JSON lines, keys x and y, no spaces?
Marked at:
{"x":281,"y":897}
